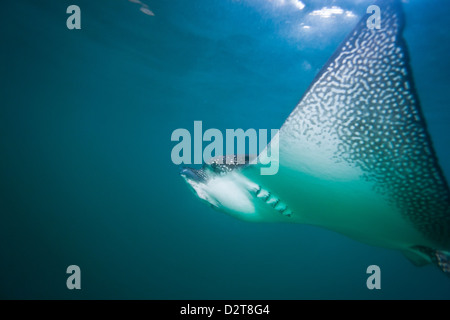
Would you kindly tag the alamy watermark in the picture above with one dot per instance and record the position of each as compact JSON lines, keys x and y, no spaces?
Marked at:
{"x":374,"y":21}
{"x":74,"y":20}
{"x":235,"y":140}
{"x":74,"y":280}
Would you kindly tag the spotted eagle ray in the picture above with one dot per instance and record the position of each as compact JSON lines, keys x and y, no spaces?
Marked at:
{"x":355,"y":155}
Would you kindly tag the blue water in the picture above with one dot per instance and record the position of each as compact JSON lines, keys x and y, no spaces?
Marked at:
{"x":86,"y":176}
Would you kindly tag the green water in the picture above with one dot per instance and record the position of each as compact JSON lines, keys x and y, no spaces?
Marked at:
{"x":86,"y":176}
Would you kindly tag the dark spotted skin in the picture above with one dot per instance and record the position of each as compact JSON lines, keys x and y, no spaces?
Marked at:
{"x":364,"y":100}
{"x":225,"y":164}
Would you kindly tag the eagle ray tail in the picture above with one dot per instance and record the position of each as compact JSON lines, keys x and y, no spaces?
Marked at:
{"x":440,"y":258}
